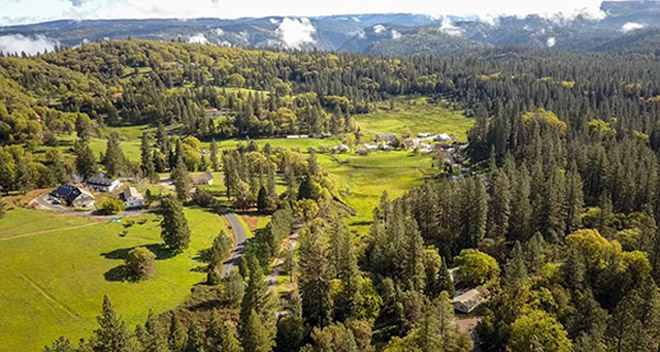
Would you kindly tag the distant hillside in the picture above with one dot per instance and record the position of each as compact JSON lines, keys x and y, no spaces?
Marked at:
{"x":628,"y":26}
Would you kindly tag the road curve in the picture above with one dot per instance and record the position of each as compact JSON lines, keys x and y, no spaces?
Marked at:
{"x":240,"y":237}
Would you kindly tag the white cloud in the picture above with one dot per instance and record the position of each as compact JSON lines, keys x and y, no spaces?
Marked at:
{"x":359,"y":33}
{"x":551,"y":42}
{"x":219,"y":31}
{"x":17,"y":43}
{"x":296,"y":32}
{"x":28,"y":11}
{"x":449,"y":28}
{"x":379,"y":28}
{"x":395,"y":34}
{"x":273,"y":21}
{"x":631,"y":26}
{"x":198,"y":38}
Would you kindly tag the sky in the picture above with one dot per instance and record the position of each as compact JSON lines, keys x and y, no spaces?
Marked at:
{"x":14,"y":12}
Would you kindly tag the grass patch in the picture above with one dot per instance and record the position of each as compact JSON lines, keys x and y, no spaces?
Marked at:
{"x":21,"y":221}
{"x":53,"y":284}
{"x":413,"y":116}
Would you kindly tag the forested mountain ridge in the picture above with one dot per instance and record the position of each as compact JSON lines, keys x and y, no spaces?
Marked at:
{"x":375,"y":33}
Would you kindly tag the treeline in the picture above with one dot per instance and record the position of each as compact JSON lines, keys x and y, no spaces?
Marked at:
{"x":130,"y":82}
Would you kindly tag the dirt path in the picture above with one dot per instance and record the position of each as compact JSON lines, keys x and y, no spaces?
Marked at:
{"x":46,"y":295}
{"x":34,"y":233}
{"x":271,"y":280}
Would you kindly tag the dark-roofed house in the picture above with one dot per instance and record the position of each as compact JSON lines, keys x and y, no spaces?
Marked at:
{"x":74,"y":196}
{"x":103,"y":184}
{"x":202,"y":179}
{"x":132,"y":198}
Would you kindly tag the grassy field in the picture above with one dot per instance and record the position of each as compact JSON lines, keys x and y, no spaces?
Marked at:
{"x":53,"y":283}
{"x":413,"y":116}
{"x":23,"y":222}
{"x":361,"y":180}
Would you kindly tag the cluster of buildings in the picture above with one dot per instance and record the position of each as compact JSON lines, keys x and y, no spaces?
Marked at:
{"x":78,"y":196}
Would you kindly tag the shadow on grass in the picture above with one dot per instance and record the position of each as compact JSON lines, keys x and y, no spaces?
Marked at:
{"x":118,"y":274}
{"x":159,"y":249}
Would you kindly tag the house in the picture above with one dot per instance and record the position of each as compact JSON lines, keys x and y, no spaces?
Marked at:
{"x":423,"y":135}
{"x":467,"y":301}
{"x":341,"y":148}
{"x":202,"y":179}
{"x":386,"y":137}
{"x":442,"y":137}
{"x":103,"y":184}
{"x":292,"y":136}
{"x":74,"y":196}
{"x":132,"y":198}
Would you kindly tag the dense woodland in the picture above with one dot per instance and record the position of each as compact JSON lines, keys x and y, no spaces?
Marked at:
{"x":556,"y":219}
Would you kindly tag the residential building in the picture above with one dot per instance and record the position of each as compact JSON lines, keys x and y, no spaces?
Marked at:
{"x":205,"y":178}
{"x":467,"y":301}
{"x":132,"y":198}
{"x":103,"y":184}
{"x":74,"y":196}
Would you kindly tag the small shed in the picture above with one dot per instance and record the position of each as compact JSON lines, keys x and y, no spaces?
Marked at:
{"x":132,"y":198}
{"x":467,"y":301}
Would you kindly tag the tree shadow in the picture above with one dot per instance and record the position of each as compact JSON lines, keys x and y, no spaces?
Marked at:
{"x":159,"y":249}
{"x":203,"y":255}
{"x":118,"y":274}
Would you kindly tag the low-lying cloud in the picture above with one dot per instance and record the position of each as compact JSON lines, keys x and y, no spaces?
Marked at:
{"x":198,"y":38}
{"x":631,"y":26}
{"x":296,"y":32}
{"x":448,"y":27}
{"x":31,"y":45}
{"x":379,"y":28}
{"x":551,"y":42}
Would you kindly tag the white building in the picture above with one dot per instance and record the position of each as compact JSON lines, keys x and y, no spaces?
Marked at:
{"x":132,"y":198}
{"x":467,"y":301}
{"x":442,"y":137}
{"x":103,"y":184}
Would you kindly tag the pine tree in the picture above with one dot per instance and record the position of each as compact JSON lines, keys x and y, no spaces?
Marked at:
{"x":220,"y":336}
{"x":262,"y":201}
{"x":60,"y":345}
{"x":413,"y":256}
{"x":499,"y":206}
{"x":290,"y":327}
{"x":256,"y":337}
{"x":257,"y":299}
{"x":112,"y":334}
{"x":6,"y":176}
{"x":574,"y":200}
{"x":181,"y":179}
{"x":174,"y":226}
{"x":177,"y":337}
{"x":214,"y":156}
{"x":515,"y":271}
{"x":85,"y":160}
{"x":23,"y":179}
{"x":314,"y":280}
{"x":153,"y":339}
{"x":196,"y":339}
{"x":147,"y":166}
{"x":445,"y":280}
{"x":345,"y":266}
{"x":114,"y":159}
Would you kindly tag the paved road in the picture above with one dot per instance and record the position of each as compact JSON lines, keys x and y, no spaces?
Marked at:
{"x":241,"y":238}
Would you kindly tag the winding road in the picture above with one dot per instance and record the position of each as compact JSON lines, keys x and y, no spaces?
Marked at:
{"x":241,"y":240}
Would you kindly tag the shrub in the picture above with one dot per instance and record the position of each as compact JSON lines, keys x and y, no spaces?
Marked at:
{"x":141,"y":262}
{"x":110,"y":206}
{"x":203,"y":197}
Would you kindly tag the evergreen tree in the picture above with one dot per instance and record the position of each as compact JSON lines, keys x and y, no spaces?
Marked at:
{"x":256,"y":337}
{"x":445,"y":280}
{"x":114,"y":159}
{"x":181,"y":179}
{"x":290,"y":327}
{"x":314,"y":279}
{"x":177,"y":337}
{"x":220,"y":336}
{"x":174,"y":226}
{"x":499,"y":206}
{"x":85,"y":160}
{"x":60,"y":345}
{"x":23,"y":179}
{"x":257,"y":299}
{"x":214,"y":156}
{"x":147,"y":166}
{"x":153,"y":339}
{"x":196,"y":339}
{"x":112,"y":334}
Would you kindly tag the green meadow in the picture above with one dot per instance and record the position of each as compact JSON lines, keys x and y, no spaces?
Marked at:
{"x":53,"y":283}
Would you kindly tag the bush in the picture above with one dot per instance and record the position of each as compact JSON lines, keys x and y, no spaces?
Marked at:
{"x":141,"y":262}
{"x":110,"y":206}
{"x":476,"y":267}
{"x":203,"y":197}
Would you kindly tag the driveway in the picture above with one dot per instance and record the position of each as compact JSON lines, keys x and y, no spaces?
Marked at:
{"x":241,"y":240}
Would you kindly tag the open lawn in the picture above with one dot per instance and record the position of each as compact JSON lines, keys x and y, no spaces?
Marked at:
{"x":410,"y":117}
{"x":53,"y":283}
{"x":21,"y":221}
{"x":361,"y":180}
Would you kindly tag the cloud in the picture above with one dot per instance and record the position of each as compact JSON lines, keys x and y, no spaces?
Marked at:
{"x":273,"y":21}
{"x":219,"y":31}
{"x":198,"y":38}
{"x":30,"y":11}
{"x":631,"y":26}
{"x":448,"y":27}
{"x":551,"y":42}
{"x":17,"y":43}
{"x":379,"y":28}
{"x":395,"y":34}
{"x":296,"y":32}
